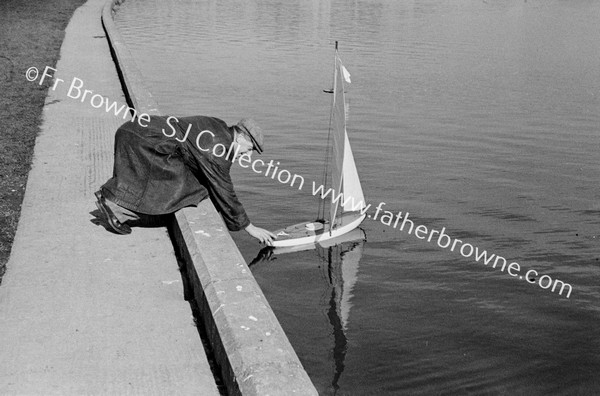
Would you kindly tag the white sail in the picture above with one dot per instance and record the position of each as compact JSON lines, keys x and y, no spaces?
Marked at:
{"x":344,"y":174}
{"x":351,"y":183}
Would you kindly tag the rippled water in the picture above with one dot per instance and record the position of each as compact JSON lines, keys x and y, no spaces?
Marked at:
{"x":482,"y":117}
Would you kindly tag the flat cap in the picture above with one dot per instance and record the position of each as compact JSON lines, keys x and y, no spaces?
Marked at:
{"x":249,"y":126}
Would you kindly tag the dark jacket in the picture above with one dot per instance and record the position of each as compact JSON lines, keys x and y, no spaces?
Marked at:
{"x":156,"y":173}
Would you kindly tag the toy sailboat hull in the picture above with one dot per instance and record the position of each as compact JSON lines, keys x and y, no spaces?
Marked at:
{"x":355,"y":235}
{"x":315,"y":232}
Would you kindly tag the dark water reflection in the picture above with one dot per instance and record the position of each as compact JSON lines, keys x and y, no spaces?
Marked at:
{"x":338,"y":266}
{"x":482,"y":117}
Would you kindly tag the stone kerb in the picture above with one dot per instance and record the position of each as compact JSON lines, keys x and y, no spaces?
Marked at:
{"x":251,"y":348}
{"x":254,"y":352}
{"x":141,"y":99}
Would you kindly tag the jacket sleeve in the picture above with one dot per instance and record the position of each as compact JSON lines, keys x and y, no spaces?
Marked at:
{"x":222,"y":194}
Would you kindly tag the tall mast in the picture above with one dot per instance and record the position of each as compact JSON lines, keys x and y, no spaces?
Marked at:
{"x":328,"y":147}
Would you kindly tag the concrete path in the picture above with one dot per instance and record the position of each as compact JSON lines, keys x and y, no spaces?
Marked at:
{"x":82,"y":310}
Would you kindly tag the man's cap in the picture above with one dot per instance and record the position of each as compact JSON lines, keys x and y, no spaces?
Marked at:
{"x":249,"y":126}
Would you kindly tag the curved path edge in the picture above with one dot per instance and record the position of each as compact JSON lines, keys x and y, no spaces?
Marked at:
{"x":252,"y":350}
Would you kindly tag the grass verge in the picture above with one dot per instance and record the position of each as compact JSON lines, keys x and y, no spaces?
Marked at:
{"x":31,"y":33}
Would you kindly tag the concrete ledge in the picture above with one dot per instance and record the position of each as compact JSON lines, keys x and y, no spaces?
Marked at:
{"x":254,"y":352}
{"x":250,"y":346}
{"x":139,"y":97}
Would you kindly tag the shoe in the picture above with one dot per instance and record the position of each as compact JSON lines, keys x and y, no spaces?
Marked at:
{"x":116,"y":225}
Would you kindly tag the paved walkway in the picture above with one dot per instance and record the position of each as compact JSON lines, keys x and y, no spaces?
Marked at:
{"x":82,"y":310}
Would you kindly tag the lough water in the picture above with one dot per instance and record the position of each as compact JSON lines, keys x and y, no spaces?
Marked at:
{"x":480,"y":117}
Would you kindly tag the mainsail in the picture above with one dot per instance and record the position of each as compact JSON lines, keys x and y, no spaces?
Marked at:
{"x":344,"y":174}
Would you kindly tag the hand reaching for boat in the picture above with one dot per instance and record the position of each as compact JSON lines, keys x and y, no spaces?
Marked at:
{"x":264,"y":236}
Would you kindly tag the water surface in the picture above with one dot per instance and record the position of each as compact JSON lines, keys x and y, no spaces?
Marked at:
{"x":482,"y":117}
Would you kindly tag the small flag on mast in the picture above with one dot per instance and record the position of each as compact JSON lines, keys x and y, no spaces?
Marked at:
{"x":345,"y":73}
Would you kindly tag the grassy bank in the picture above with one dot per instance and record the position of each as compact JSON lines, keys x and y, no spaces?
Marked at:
{"x":31,"y":32}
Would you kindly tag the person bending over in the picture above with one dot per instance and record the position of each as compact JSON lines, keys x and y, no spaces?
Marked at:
{"x":165,"y":163}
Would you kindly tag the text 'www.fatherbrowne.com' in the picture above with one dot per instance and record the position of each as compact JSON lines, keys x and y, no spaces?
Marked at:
{"x":467,"y":250}
{"x":444,"y":241}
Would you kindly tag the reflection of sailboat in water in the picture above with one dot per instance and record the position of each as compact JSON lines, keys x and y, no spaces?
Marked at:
{"x":339,"y":260}
{"x":341,"y":272}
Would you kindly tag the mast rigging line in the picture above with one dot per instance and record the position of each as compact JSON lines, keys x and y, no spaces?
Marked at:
{"x":328,"y":147}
